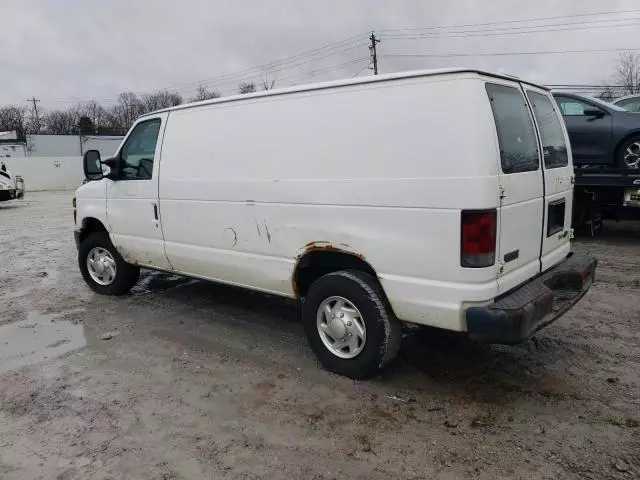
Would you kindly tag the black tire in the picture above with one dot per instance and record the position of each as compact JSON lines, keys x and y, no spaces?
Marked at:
{"x":126,"y":274}
{"x":383,"y":332}
{"x":623,"y":149}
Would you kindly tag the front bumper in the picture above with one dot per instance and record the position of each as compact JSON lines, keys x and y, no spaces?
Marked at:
{"x":519,"y":314}
{"x":7,"y":195}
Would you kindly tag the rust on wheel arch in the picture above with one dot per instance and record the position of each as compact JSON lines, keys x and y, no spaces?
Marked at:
{"x":321,"y":246}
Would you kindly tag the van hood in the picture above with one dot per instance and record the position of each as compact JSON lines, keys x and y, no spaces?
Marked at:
{"x":92,"y":189}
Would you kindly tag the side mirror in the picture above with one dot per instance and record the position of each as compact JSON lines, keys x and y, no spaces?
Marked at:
{"x":92,"y":165}
{"x":593,"y":112}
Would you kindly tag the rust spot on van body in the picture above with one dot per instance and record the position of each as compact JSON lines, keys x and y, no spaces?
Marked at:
{"x":324,"y":246}
{"x":294,"y":285}
{"x":320,"y":246}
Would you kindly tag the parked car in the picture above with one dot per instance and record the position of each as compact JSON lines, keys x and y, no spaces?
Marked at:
{"x":356,"y":197}
{"x":601,"y":133}
{"x":10,"y":187}
{"x":630,"y":103}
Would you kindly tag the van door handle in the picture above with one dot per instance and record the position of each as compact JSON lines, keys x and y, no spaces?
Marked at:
{"x":155,"y":212}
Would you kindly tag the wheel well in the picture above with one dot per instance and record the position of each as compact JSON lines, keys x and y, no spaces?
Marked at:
{"x":616,"y":151}
{"x":316,"y":263}
{"x":91,"y":225}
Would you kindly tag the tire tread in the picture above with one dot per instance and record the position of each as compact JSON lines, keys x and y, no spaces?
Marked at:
{"x":127,"y":275}
{"x":388,"y":333}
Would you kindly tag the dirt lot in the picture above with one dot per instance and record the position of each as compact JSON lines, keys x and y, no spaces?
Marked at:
{"x":187,"y":380}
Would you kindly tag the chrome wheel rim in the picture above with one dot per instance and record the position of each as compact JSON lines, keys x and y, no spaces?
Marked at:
{"x":101,"y":266}
{"x":632,"y":155}
{"x":341,"y":327}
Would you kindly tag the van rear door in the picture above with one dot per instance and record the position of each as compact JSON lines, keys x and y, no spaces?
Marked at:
{"x":520,"y":217}
{"x":558,"y":176}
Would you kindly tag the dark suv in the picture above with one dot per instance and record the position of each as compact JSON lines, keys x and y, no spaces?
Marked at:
{"x":600,"y":133}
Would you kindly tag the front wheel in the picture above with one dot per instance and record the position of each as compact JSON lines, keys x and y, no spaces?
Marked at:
{"x":630,"y":153}
{"x":349,"y":324}
{"x":103,"y":268}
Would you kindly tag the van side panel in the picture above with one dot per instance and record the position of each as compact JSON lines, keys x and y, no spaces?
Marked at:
{"x":382,"y":170}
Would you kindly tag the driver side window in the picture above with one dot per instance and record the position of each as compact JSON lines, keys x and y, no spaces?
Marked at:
{"x":571,"y":107}
{"x":139,"y":150}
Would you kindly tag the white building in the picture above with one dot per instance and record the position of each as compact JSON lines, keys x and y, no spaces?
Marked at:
{"x":52,"y":162}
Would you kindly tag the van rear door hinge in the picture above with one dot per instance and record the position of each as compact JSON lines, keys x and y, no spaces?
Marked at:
{"x":502,"y":192}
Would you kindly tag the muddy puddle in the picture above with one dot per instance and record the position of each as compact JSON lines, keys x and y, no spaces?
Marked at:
{"x":37,"y":339}
{"x":151,"y":281}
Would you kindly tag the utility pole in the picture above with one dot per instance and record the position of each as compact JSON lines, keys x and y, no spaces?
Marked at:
{"x":372,"y":52}
{"x":36,"y":118}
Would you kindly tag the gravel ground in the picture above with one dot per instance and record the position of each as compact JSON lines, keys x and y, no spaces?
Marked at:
{"x":185,"y":380}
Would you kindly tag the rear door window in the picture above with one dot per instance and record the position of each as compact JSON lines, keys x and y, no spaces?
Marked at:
{"x":516,"y":135}
{"x":554,"y":147}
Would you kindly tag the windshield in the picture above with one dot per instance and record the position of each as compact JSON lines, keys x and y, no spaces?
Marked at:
{"x":631,"y":104}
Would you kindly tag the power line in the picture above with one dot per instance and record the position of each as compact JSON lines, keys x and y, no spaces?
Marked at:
{"x":257,"y":71}
{"x":313,"y":73}
{"x":512,"y":21}
{"x":288,"y":78}
{"x":505,"y":31}
{"x":356,"y":41}
{"x":506,"y":54}
{"x":521,"y":27}
{"x":275,"y":63}
{"x":286,"y":67}
{"x":360,"y":71}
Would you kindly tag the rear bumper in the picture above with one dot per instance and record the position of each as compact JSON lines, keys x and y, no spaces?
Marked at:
{"x":534,"y":305}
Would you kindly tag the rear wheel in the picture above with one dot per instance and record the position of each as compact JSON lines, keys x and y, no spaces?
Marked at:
{"x":349,"y":324}
{"x":629,"y":154}
{"x":102,"y":267}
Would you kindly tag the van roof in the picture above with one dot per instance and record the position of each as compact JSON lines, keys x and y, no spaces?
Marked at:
{"x":344,"y":82}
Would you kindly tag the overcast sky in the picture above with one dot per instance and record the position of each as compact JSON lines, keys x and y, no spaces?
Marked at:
{"x":71,"y":50}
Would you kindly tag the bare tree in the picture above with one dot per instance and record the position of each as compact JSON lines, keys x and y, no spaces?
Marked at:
{"x":13,"y":118}
{"x":160,"y":99}
{"x":62,"y":122}
{"x":95,"y":112}
{"x":268,"y":84}
{"x":129,"y":108}
{"x":203,"y":93}
{"x":246,"y":87}
{"x":627,"y":74}
{"x":607,"y":94}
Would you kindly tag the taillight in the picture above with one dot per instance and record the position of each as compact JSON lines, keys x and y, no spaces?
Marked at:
{"x":478,"y":247}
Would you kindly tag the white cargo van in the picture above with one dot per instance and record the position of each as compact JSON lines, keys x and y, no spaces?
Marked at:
{"x":439,"y":198}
